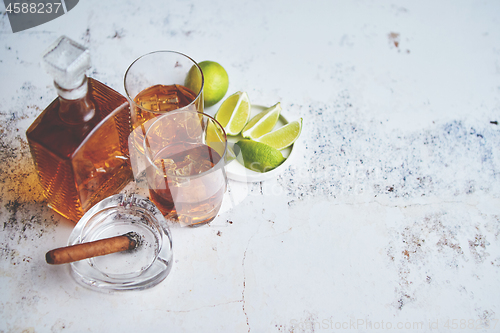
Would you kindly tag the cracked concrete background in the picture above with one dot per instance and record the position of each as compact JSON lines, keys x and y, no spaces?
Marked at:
{"x":387,"y":218}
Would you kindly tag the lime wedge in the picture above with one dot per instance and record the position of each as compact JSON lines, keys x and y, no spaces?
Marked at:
{"x":258,"y":156}
{"x":234,"y":112}
{"x":262,"y":123}
{"x":215,"y":137}
{"x":284,"y":136}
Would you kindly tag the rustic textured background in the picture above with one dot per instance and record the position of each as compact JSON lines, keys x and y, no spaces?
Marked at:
{"x":388,"y":215}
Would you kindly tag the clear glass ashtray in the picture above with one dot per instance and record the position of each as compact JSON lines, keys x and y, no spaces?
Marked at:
{"x":140,"y":268}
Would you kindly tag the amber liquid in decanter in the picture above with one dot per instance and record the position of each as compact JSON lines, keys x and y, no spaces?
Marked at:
{"x":82,"y":162}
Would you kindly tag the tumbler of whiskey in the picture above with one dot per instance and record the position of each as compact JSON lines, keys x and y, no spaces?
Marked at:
{"x":155,"y":84}
{"x":186,"y":154}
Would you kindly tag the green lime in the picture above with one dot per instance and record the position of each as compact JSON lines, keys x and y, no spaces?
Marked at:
{"x":262,"y":123}
{"x":283,"y":137}
{"x":216,"y":139}
{"x":216,"y":81}
{"x":234,"y":112}
{"x":259,"y":156}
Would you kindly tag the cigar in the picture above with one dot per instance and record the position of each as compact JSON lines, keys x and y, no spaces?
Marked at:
{"x":64,"y":255}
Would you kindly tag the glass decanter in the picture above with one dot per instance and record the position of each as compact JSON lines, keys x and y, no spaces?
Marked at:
{"x":79,"y":143}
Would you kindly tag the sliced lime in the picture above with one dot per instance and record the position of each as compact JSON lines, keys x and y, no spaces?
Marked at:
{"x":234,"y":113}
{"x":215,"y":137}
{"x":284,"y":136}
{"x":258,"y":156}
{"x":262,"y":123}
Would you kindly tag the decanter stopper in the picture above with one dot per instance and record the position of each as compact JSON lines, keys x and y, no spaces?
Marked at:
{"x":67,"y":62}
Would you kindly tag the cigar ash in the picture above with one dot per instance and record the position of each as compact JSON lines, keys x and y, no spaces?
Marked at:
{"x":138,"y":239}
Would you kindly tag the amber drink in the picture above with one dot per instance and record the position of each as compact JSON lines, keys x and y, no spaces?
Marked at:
{"x":185,"y":172}
{"x":155,"y":85}
{"x":155,"y":101}
{"x":160,"y":98}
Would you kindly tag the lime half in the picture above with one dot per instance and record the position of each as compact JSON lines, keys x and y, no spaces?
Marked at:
{"x":258,"y":156}
{"x":262,"y":123}
{"x":234,"y":113}
{"x":284,"y":136}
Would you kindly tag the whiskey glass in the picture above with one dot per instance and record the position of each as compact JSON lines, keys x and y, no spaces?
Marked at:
{"x":185,"y":155}
{"x":155,"y":84}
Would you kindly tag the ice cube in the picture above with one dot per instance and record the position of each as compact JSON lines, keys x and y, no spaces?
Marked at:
{"x":199,"y":166}
{"x":168,"y":101}
{"x":184,"y":168}
{"x":205,"y":165}
{"x":161,"y":101}
{"x":166,"y":165}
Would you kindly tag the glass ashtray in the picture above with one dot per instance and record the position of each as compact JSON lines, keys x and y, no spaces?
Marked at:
{"x":140,"y":268}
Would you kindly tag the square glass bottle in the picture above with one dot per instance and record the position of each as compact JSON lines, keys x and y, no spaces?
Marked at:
{"x":79,"y":143}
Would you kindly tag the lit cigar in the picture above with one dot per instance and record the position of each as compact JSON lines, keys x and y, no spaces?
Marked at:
{"x":64,"y":255}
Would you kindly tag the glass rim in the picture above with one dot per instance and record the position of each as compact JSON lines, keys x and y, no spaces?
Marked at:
{"x":131,"y":99}
{"x":148,"y":154}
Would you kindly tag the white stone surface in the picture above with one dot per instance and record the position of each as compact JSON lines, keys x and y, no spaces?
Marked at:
{"x":388,"y":218}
